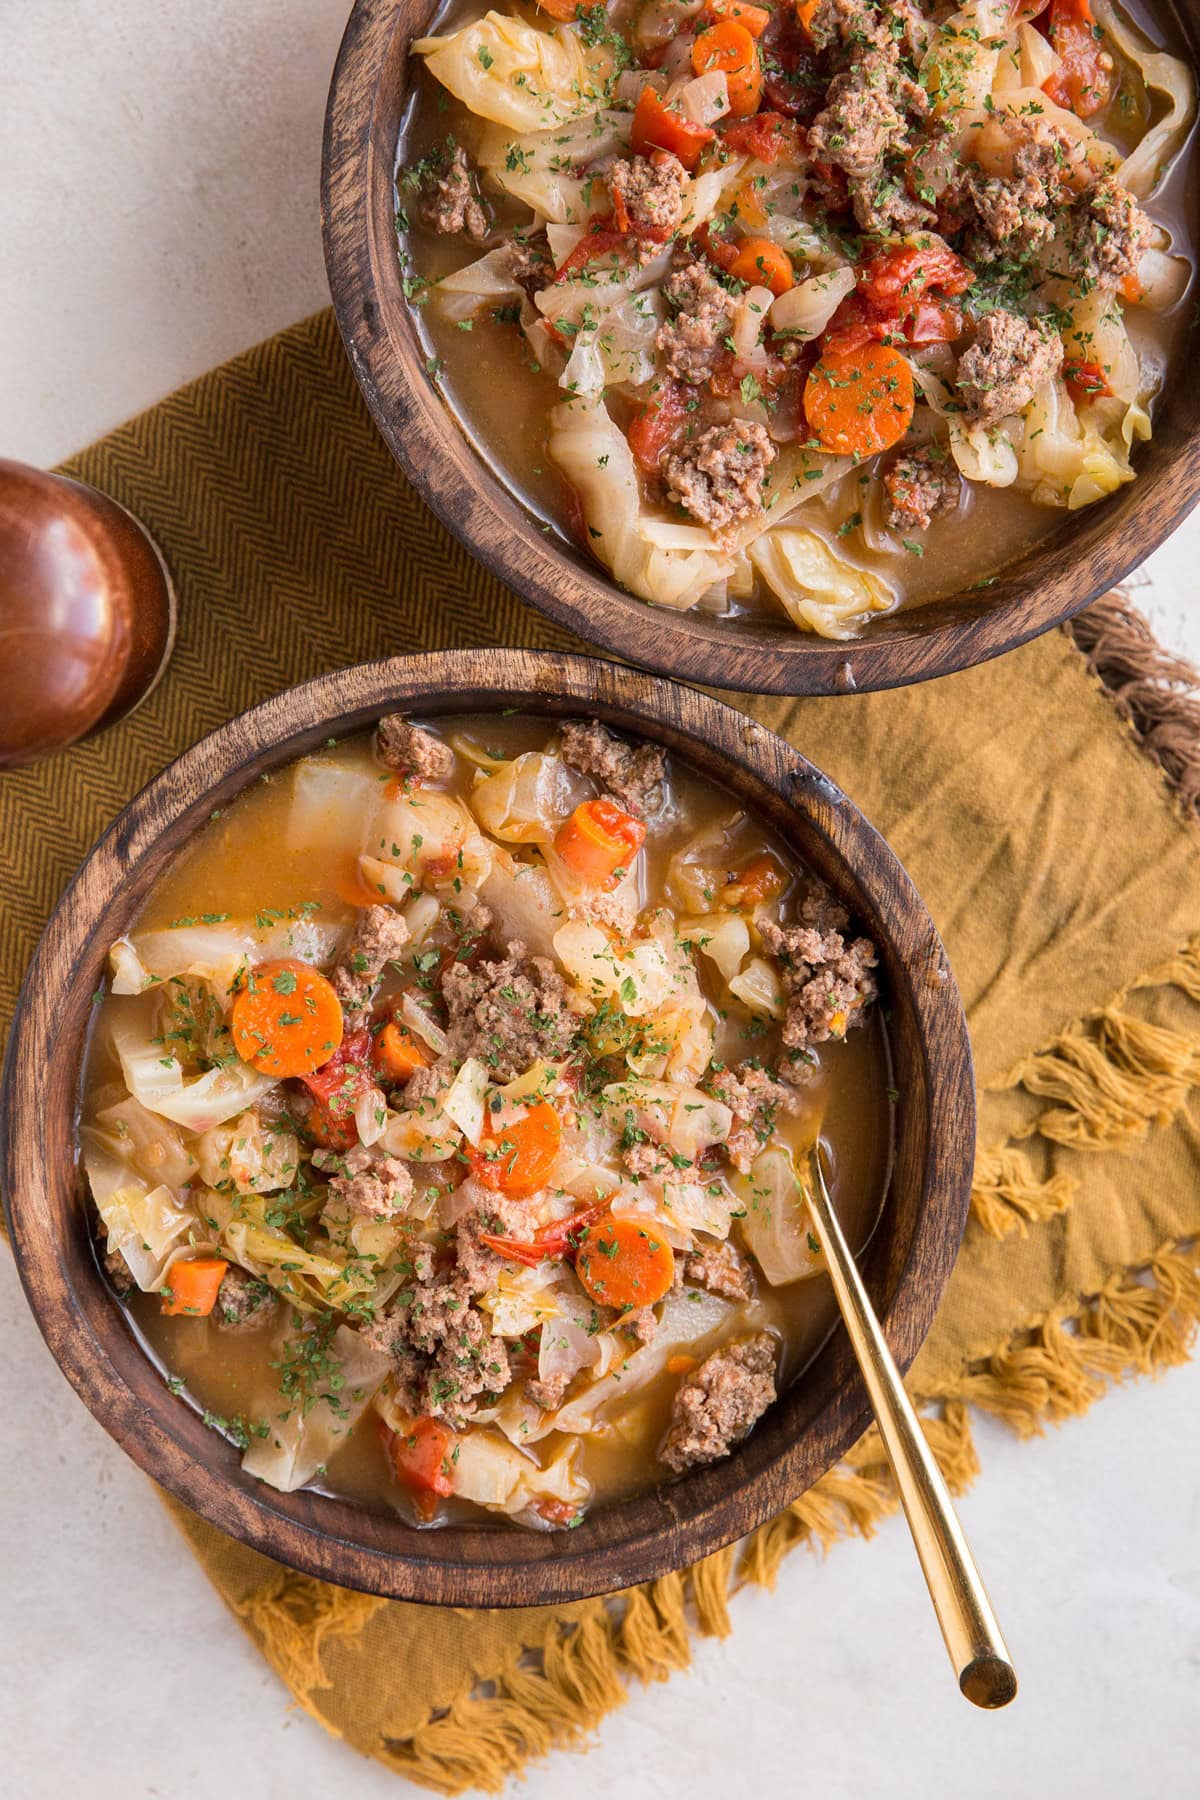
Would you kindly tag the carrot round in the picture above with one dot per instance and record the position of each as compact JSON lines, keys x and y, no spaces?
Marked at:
{"x":192,"y":1286}
{"x":517,"y":1159}
{"x":286,"y":1018}
{"x":730,"y":48}
{"x":754,"y":18}
{"x":395,"y":1053}
{"x":598,"y":839}
{"x":860,"y":401}
{"x":625,"y":1263}
{"x":759,"y":262}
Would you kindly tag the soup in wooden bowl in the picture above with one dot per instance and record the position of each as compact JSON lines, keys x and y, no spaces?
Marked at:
{"x":415,"y":1163}
{"x":829,"y":331}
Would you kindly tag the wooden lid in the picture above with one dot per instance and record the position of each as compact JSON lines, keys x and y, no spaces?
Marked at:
{"x":86,"y":613}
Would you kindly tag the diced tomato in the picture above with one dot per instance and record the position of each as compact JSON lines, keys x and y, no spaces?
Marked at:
{"x":422,"y":1460}
{"x":906,"y":272}
{"x":1085,"y":380}
{"x":601,"y":240}
{"x":655,"y":126}
{"x":652,"y":429}
{"x":1086,"y":81}
{"x":720,"y":251}
{"x":767,"y":136}
{"x":335,"y":1088}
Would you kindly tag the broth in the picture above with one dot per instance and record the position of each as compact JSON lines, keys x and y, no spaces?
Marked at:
{"x":283,"y":861}
{"x":502,"y":388}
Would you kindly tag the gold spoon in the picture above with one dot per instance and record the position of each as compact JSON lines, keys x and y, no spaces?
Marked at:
{"x":973,"y":1637}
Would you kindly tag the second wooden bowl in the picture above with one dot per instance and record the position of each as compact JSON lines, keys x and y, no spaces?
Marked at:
{"x":906,"y":1264}
{"x":1085,"y":556}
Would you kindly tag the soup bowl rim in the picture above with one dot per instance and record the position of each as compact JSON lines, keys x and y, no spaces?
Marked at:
{"x":660,"y":1529}
{"x":473,"y":496}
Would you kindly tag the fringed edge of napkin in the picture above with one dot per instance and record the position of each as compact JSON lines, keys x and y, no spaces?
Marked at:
{"x":1113,"y":1074}
{"x":552,"y":1697}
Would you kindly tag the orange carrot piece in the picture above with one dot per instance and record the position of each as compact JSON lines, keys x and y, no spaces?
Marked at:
{"x":681,"y":1364}
{"x":754,"y":18}
{"x":656,"y":127}
{"x":192,"y":1287}
{"x":625,"y":1263}
{"x":860,"y":401}
{"x":286,"y":1018}
{"x":730,"y":47}
{"x":517,"y":1159}
{"x":760,"y":263}
{"x":395,"y":1053}
{"x":563,"y":10}
{"x":598,"y":839}
{"x":806,"y":12}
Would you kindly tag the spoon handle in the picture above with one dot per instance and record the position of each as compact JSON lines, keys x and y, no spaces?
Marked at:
{"x":972,"y":1635}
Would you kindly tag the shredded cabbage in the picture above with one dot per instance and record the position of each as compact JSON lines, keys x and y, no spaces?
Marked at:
{"x":302,"y":1441}
{"x":1164,"y":75}
{"x":776,"y":1225}
{"x":505,"y":70}
{"x":820,"y":590}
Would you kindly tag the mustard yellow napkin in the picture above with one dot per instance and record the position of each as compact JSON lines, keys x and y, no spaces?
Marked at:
{"x":1058,"y":864}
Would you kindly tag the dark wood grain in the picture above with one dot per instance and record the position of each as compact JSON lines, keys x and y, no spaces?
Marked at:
{"x":907,"y":1263}
{"x":1089,"y":552}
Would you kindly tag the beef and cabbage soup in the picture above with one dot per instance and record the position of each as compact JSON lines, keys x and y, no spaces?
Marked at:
{"x":448,"y":1110}
{"x":762,"y":305}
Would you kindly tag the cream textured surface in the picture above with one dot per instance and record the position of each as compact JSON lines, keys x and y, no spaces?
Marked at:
{"x":160,"y":213}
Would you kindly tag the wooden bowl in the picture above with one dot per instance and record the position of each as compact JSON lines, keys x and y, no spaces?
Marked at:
{"x":907,"y":1263}
{"x":1088,"y":553}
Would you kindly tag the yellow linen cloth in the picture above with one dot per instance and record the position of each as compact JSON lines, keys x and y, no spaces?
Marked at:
{"x":1059,"y":868}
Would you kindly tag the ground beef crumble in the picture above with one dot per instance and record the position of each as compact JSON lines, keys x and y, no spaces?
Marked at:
{"x":919,"y":485}
{"x":1005,"y":366}
{"x":447,"y":197}
{"x":379,"y":935}
{"x":412,"y":751}
{"x":756,"y":1099}
{"x":716,"y":1404}
{"x":718,"y":476}
{"x":1109,"y":235}
{"x":377,"y":1192}
{"x":649,"y":191}
{"x":242,"y":1301}
{"x":693,"y":338}
{"x":509,"y":1013}
{"x":829,"y":983}
{"x":634,"y":778}
{"x":719,"y":1270}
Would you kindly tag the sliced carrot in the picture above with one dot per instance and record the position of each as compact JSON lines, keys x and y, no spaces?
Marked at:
{"x":517,"y":1159}
{"x":754,"y":18}
{"x":422,"y":1460}
{"x":286,"y":1018}
{"x":655,"y":126}
{"x":624,"y":1263}
{"x":681,"y":1364}
{"x":564,"y":10}
{"x":192,"y":1286}
{"x":760,"y":263}
{"x":806,"y":12}
{"x":395,"y":1053}
{"x":860,"y":401}
{"x":598,"y":839}
{"x":730,"y":48}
